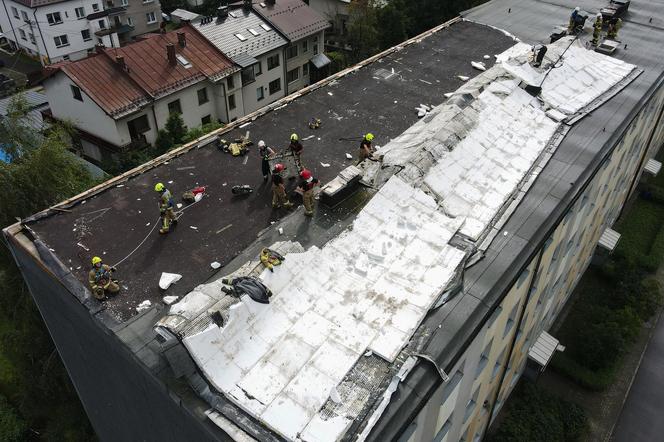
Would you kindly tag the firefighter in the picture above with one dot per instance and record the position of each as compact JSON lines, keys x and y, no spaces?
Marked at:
{"x":597,"y":29}
{"x":100,"y":279}
{"x":165,"y":208}
{"x":296,"y":148}
{"x":574,"y":18}
{"x":614,"y":26}
{"x":366,"y":149}
{"x":279,"y":197}
{"x":265,"y":152}
{"x":306,"y":186}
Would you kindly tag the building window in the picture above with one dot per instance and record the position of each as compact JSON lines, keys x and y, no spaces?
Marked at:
{"x":484,"y":359}
{"x":315,"y":45}
{"x":150,"y":18}
{"x":230,"y":82}
{"x":130,"y":21}
{"x":293,"y":75}
{"x":76,"y":92}
{"x":32,"y":39}
{"x":22,"y":33}
{"x":291,"y":52}
{"x":248,"y":75}
{"x":54,"y":18}
{"x":510,"y":320}
{"x":272,"y":62}
{"x":25,"y":16}
{"x":470,"y":407}
{"x":206,"y":120}
{"x":95,"y":7}
{"x":443,"y":430}
{"x":231,"y":101}
{"x":305,"y":46}
{"x":102,"y":24}
{"x":65,"y":57}
{"x":61,"y":40}
{"x":494,"y":316}
{"x":137,"y":127}
{"x":240,"y":37}
{"x":275,"y":86}
{"x":148,"y":1}
{"x":15,"y":12}
{"x":522,"y":277}
{"x":202,"y":96}
{"x":259,"y":94}
{"x":258,"y":69}
{"x":80,"y":12}
{"x":174,"y":107}
{"x":85,"y":33}
{"x":305,"y":70}
{"x":124,"y":3}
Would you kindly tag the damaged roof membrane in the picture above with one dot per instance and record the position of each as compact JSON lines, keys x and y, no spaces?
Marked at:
{"x":367,"y":290}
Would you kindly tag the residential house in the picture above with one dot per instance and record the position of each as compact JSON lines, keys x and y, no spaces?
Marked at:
{"x":119,"y":98}
{"x":337,"y":13}
{"x":257,"y":48}
{"x":57,"y":30}
{"x":304,"y":29}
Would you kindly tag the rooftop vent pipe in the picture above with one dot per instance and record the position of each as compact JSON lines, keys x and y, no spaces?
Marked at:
{"x":170,"y":52}
{"x":119,"y":59}
{"x":222,"y":13}
{"x":182,"y":39}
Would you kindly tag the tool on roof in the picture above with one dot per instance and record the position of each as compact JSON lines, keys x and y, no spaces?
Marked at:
{"x":242,"y":189}
{"x":314,"y":123}
{"x":236,"y":148}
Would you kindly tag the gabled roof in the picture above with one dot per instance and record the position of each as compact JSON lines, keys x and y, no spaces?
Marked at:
{"x":38,"y":3}
{"x":148,"y":74}
{"x":239,"y":21}
{"x":293,"y":18}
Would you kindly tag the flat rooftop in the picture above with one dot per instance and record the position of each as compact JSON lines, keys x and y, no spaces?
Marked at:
{"x":113,"y":222}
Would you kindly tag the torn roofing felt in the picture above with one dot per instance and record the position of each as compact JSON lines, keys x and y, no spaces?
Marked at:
{"x":366,"y":291}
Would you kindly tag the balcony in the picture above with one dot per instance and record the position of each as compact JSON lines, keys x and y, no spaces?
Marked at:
{"x":115,"y":29}
{"x":110,"y":12}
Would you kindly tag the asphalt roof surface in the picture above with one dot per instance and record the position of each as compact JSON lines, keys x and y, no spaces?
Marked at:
{"x":114,"y":222}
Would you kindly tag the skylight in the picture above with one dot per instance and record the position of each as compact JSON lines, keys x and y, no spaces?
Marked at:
{"x":253,"y":32}
{"x":241,"y":37}
{"x":183,"y":61}
{"x":232,"y":14}
{"x":266,"y":27}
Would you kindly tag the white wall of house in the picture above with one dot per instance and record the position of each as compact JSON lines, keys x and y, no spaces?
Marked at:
{"x":234,"y":97}
{"x":299,"y":65}
{"x":192,"y":111}
{"x":57,"y":39}
{"x":85,"y":114}
{"x":250,"y":94}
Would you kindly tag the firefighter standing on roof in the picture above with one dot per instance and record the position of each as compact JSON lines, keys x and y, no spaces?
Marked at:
{"x":100,"y":279}
{"x":306,"y":186}
{"x":597,"y":29}
{"x":366,"y":149}
{"x":296,"y":148}
{"x":165,"y":208}
{"x":265,"y":152}
{"x":279,"y":197}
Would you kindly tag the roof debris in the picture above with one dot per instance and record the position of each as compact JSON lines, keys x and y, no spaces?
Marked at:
{"x":478,"y":65}
{"x":167,"y":279}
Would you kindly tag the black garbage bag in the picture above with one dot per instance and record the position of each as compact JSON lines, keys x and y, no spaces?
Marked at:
{"x":246,"y":285}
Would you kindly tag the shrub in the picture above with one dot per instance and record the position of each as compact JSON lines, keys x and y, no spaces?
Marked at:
{"x":12,"y":427}
{"x":176,"y":128}
{"x":163,"y":142}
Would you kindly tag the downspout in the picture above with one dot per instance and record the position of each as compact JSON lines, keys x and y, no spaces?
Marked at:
{"x":513,"y":341}
{"x":41,"y":35}
{"x":154,"y":116}
{"x":9,"y":17}
{"x":285,"y":71}
{"x":223,"y":93}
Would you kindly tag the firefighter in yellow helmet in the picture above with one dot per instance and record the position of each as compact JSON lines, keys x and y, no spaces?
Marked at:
{"x":597,"y":29}
{"x":296,"y":148}
{"x":165,"y":208}
{"x":100,"y":279}
{"x":366,"y":149}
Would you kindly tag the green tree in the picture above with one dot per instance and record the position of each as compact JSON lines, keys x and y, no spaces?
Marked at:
{"x":392,"y":21}
{"x":42,"y":172}
{"x":163,"y":143}
{"x":175,"y":127}
{"x":362,"y":29}
{"x":12,"y":427}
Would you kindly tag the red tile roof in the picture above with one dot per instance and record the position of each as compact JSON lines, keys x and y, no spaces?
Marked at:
{"x":149,"y":74}
{"x":293,"y":18}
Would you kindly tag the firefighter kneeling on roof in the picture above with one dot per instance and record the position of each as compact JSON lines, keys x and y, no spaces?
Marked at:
{"x":100,"y":279}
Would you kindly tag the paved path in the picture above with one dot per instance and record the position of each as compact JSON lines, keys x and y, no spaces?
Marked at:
{"x":642,"y":415}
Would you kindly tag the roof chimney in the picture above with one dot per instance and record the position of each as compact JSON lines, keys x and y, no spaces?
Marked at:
{"x":99,"y":48}
{"x":182,"y":39}
{"x":170,"y":52}
{"x":270,"y":2}
{"x":119,"y":59}
{"x":247,"y":4}
{"x":222,"y":13}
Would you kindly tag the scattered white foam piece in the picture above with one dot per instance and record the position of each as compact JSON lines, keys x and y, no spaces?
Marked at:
{"x":225,"y":184}
{"x":199,"y":196}
{"x":463,"y":77}
{"x":170,"y":182}
{"x":349,"y":156}
{"x":193,"y":227}
{"x":147,"y":224}
{"x":330,"y":94}
{"x":245,"y":124}
{"x":167,"y":279}
{"x":325,"y":164}
{"x":143,"y":306}
{"x":486,"y":57}
{"x":120,"y":185}
{"x":138,"y":199}
{"x":281,"y":230}
{"x":168,"y":300}
{"x":179,"y":205}
{"x":478,"y":65}
{"x":215,"y":265}
{"x":449,"y":94}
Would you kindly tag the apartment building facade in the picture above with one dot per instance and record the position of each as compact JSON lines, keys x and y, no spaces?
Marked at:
{"x":304,"y":29}
{"x":116,"y":102}
{"x":69,"y":30}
